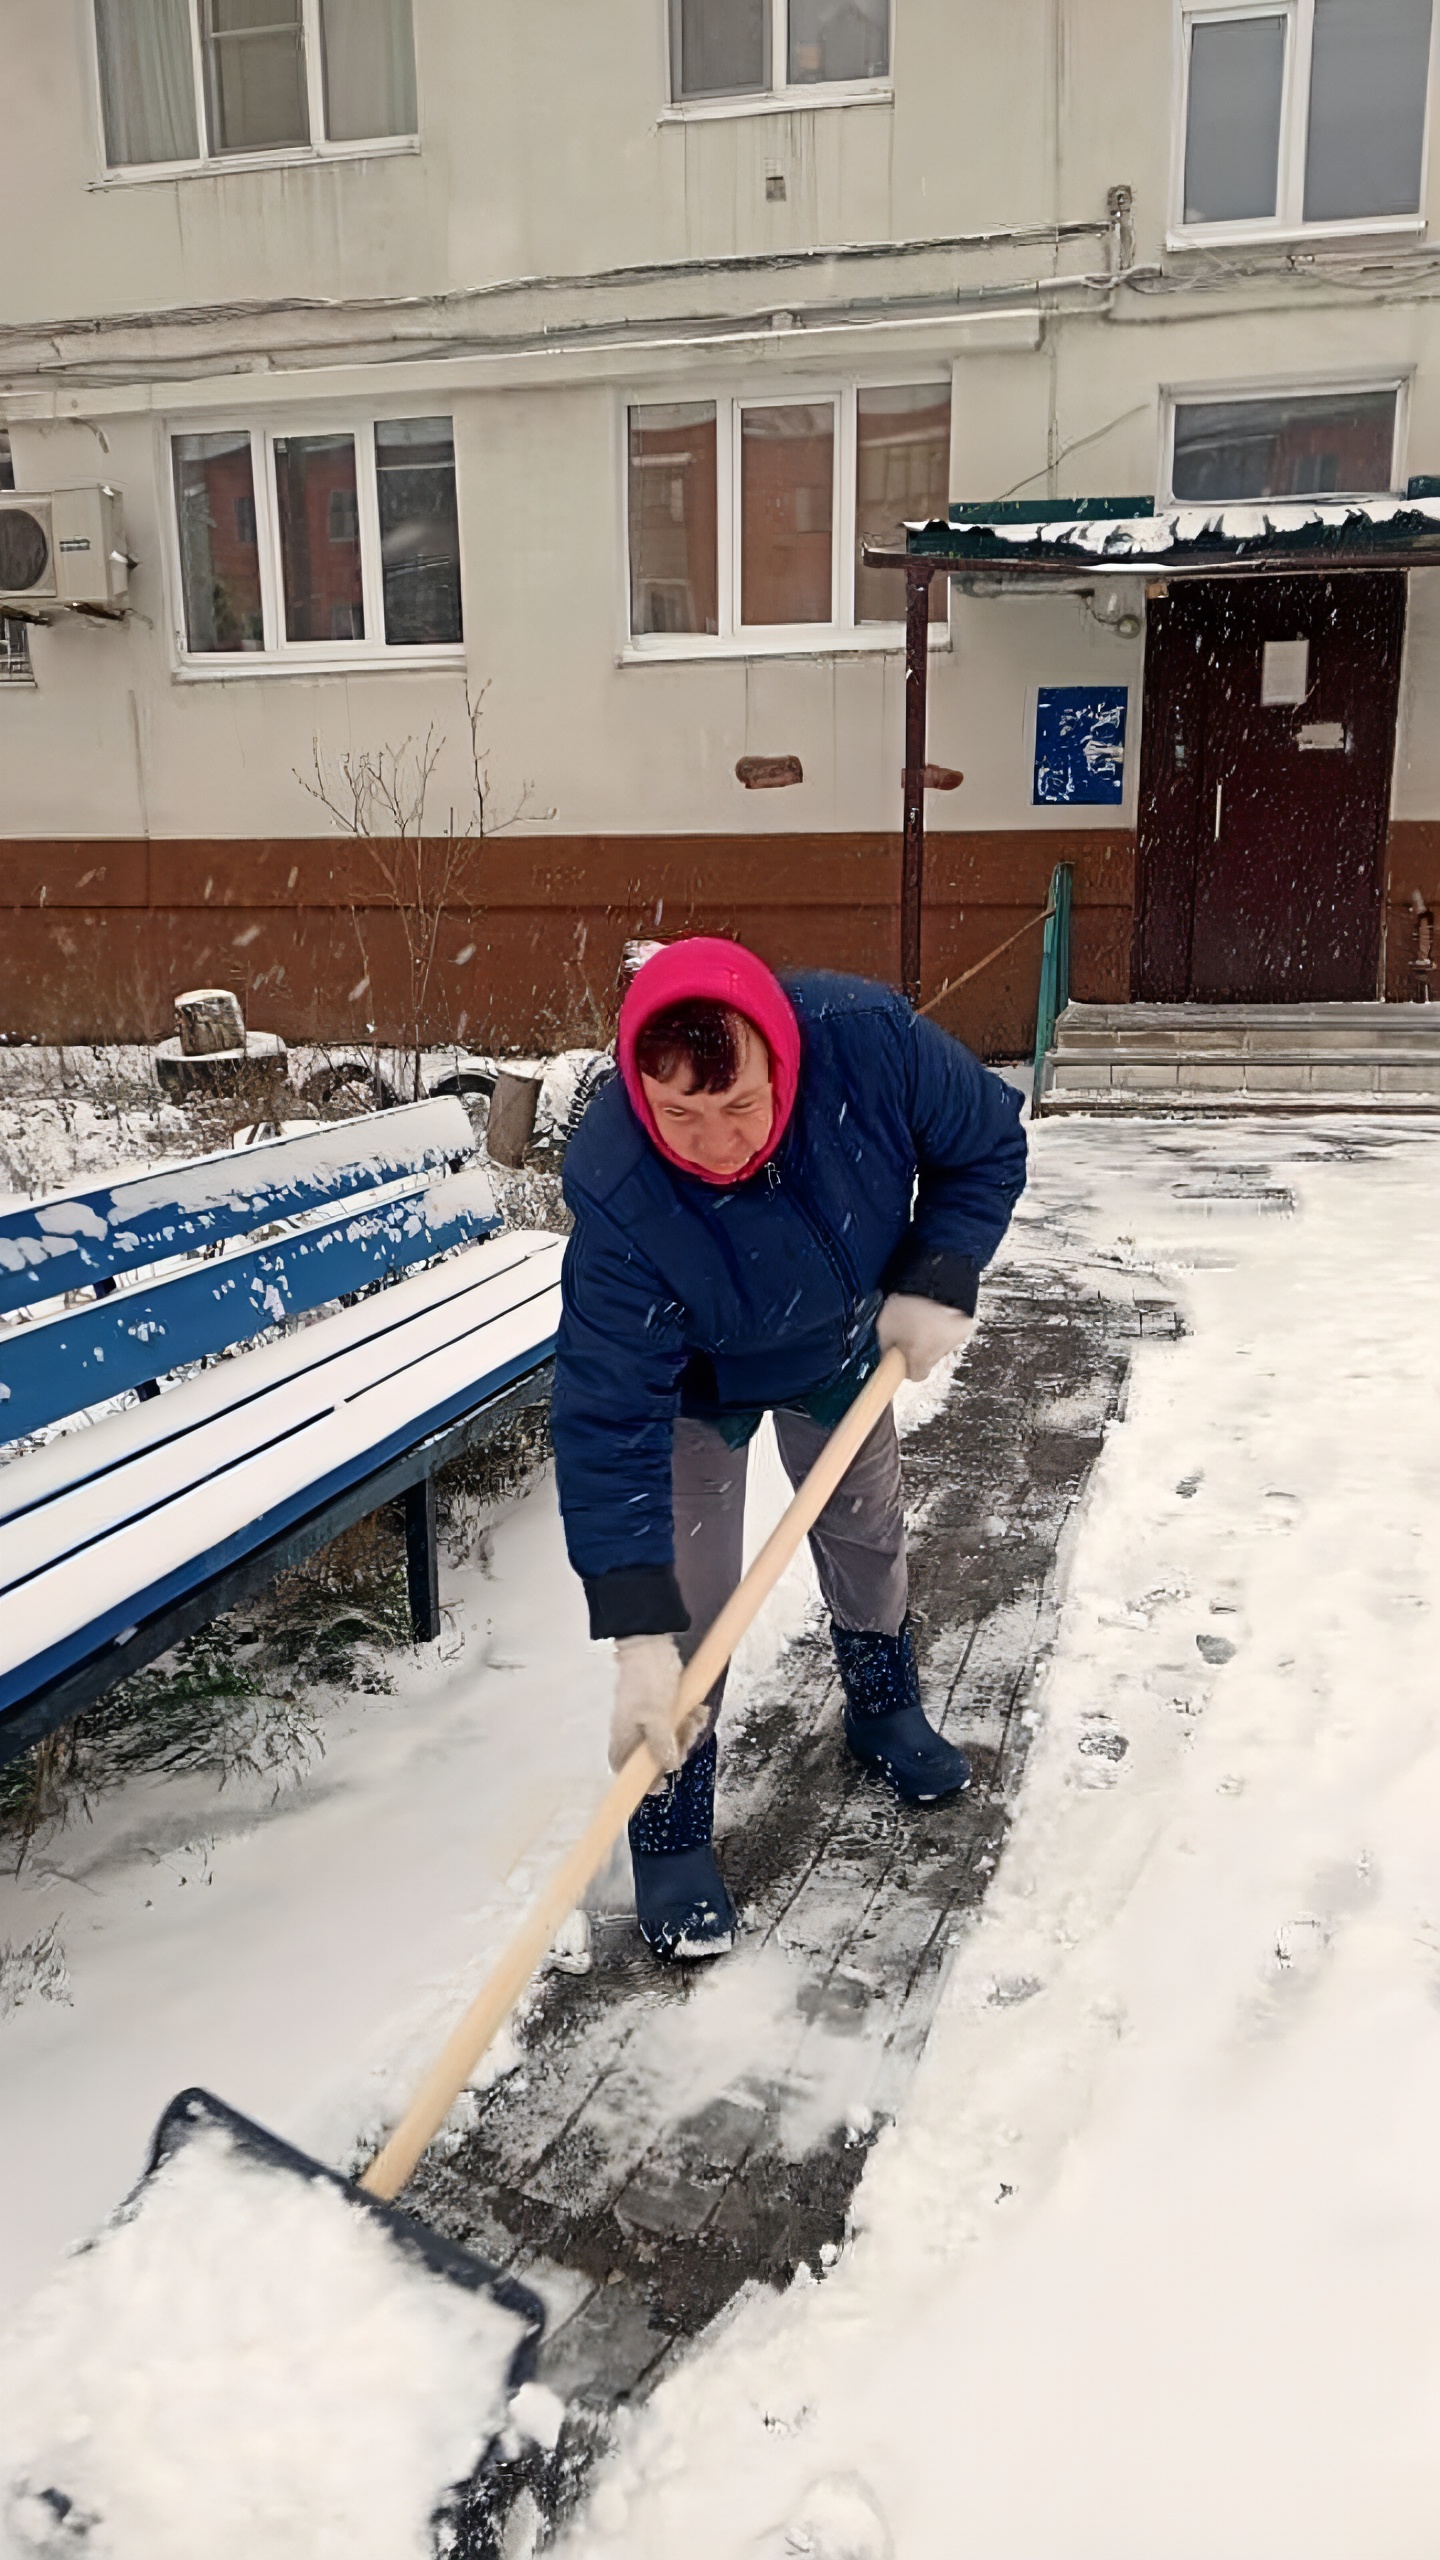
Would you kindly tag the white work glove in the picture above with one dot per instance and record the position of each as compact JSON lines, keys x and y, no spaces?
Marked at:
{"x":647,"y":1676}
{"x":923,"y":1329}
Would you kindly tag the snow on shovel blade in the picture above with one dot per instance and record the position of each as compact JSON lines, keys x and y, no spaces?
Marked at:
{"x":255,"y":2355}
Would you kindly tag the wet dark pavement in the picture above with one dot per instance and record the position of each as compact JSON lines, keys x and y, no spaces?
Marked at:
{"x":639,"y":2170}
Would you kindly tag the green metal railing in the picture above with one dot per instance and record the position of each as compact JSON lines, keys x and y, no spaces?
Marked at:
{"x":1054,"y":972}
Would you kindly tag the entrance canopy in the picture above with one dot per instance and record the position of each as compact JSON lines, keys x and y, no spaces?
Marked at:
{"x":1070,"y":537}
{"x":1020,"y":543}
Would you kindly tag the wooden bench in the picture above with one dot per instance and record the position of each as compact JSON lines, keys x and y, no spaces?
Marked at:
{"x":261,"y":1426}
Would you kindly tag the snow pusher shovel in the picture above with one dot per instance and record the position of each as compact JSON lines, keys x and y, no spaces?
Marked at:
{"x":145,"y":2377}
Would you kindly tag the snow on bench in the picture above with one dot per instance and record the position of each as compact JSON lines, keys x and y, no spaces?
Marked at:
{"x":118,"y":1537}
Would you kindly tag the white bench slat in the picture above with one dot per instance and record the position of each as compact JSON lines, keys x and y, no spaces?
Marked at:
{"x":88,"y":1586}
{"x":184,"y":1462}
{"x":103,"y":1447}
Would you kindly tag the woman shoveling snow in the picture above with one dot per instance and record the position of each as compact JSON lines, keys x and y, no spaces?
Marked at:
{"x":783,"y":1182}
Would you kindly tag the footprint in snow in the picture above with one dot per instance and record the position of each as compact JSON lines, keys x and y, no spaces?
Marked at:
{"x":1215,"y":1649}
{"x":838,"y":2518}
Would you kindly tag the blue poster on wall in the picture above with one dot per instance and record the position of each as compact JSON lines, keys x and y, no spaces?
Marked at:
{"x":1080,"y":743}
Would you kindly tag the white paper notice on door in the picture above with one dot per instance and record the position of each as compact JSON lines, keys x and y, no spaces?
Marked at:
{"x":1285,"y":671}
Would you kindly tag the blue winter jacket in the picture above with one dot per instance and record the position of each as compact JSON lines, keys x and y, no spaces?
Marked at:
{"x":899,"y":1169}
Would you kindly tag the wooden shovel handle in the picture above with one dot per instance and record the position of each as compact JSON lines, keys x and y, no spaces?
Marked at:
{"x":532,"y":1941}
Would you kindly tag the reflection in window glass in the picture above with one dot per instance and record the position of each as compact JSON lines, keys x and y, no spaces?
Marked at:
{"x":1367,"y":108}
{"x":219,"y":560}
{"x":254,"y":74}
{"x":15,"y":665}
{"x":147,"y":86}
{"x":719,"y":47}
{"x":419,"y":530}
{"x":1232,"y":129}
{"x":787,"y":481}
{"x":319,"y":538}
{"x":367,"y":50}
{"x":1288,"y":448}
{"x":902,"y":474}
{"x":674,"y":577}
{"x":839,"y":39}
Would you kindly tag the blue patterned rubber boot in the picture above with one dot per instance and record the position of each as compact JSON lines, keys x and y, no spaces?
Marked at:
{"x":885,"y":1724}
{"x":681,"y":1903}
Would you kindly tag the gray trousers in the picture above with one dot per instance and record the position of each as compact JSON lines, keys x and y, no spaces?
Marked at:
{"x":858,"y":1542}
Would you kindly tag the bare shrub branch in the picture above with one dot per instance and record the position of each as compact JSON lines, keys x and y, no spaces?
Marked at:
{"x":380,"y":797}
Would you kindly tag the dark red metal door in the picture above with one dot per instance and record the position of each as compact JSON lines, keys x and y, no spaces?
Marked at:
{"x":1269,"y":737}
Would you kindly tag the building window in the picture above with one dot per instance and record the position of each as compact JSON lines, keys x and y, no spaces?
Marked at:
{"x":787,"y":512}
{"x":1295,"y":445}
{"x":200,"y":80}
{"x":1313,"y":112}
{"x":343,"y":543}
{"x":750,"y":516}
{"x":763,"y":48}
{"x":674,"y":560}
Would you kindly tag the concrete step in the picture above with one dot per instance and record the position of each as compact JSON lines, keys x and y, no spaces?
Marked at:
{"x":1244,"y":1057}
{"x":1251,"y":1030}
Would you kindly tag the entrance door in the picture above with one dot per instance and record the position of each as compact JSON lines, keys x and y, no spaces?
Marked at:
{"x":1265,"y":789}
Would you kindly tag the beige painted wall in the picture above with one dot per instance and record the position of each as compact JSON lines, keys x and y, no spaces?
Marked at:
{"x":545,"y":148}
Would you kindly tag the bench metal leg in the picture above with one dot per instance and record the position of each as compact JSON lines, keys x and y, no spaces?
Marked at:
{"x":422,"y":1560}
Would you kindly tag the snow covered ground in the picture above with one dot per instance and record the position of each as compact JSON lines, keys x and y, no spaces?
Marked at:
{"x":1149,"y":2268}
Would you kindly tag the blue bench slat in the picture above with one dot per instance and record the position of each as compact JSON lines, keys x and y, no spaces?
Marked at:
{"x":64,"y":1363}
{"x":78,"y":1238}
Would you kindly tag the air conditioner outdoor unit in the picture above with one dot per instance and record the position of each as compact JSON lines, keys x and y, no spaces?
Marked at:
{"x":66,"y":548}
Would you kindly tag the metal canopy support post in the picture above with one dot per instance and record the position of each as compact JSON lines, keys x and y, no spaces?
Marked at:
{"x":422,"y":1561}
{"x":912,"y":856}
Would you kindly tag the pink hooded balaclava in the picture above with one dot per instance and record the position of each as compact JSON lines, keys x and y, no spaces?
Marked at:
{"x":718,"y":973}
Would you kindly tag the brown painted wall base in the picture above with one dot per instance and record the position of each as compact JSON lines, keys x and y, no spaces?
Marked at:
{"x":101,"y":935}
{"x":97,"y":937}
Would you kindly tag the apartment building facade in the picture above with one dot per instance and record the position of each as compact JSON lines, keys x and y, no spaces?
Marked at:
{"x":554,"y":361}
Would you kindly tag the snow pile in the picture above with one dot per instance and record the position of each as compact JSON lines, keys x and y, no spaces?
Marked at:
{"x":304,"y":1950}
{"x":246,"y":2363}
{"x":1150,"y":2269}
{"x":1112,"y":538}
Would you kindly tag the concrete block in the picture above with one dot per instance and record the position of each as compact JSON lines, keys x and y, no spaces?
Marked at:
{"x":1265,"y":1076}
{"x":1133,"y":1075}
{"x":1413,"y":1076}
{"x":1211,"y":1075}
{"x":1343,"y":1075}
{"x":1091,"y":1076}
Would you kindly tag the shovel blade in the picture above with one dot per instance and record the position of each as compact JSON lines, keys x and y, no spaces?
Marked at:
{"x":199,"y":2111}
{"x":275,"y":2336}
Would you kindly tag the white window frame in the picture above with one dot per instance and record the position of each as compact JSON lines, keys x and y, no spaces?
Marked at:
{"x":210,"y":164}
{"x":783,"y":96}
{"x":842,"y":635}
{"x":1288,"y":220}
{"x":1282,"y":387}
{"x":280,"y":656}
